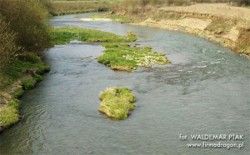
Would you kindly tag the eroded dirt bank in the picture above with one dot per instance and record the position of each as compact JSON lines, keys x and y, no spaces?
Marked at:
{"x":227,"y":25}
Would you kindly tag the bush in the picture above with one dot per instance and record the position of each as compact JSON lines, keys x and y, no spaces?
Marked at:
{"x":47,"y":4}
{"x":8,"y":48}
{"x":123,"y":57}
{"x":241,"y":2}
{"x":27,"y":18}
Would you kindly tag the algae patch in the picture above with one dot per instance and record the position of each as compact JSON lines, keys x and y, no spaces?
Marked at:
{"x":124,"y":57}
{"x":117,"y":102}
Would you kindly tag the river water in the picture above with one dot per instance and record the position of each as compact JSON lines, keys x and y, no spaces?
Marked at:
{"x":204,"y":91}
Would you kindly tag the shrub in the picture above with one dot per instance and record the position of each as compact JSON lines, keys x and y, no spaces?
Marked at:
{"x":47,"y":4}
{"x":8,"y":48}
{"x":27,"y":18}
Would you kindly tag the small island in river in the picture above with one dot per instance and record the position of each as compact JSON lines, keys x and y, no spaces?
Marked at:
{"x":117,"y":102}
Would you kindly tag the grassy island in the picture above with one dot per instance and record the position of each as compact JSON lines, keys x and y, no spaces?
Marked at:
{"x":123,"y":57}
{"x":116,"y":102}
{"x":65,"y":35}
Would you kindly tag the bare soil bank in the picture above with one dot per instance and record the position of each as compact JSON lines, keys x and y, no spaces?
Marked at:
{"x":218,"y":9}
{"x":221,"y":23}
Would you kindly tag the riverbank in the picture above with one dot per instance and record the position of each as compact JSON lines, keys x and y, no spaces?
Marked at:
{"x":21,"y":42}
{"x":20,"y":76}
{"x":220,"y":23}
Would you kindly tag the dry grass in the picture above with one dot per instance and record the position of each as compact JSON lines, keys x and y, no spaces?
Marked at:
{"x":69,"y":7}
{"x":221,"y":10}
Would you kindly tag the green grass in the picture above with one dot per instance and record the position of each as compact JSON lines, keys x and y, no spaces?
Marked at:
{"x":117,"y":102}
{"x":123,"y":57}
{"x":22,"y":74}
{"x":18,"y":92}
{"x":28,"y":83}
{"x":38,"y":77}
{"x":9,"y":113}
{"x":65,"y":35}
{"x":8,"y":116}
{"x":19,"y":68}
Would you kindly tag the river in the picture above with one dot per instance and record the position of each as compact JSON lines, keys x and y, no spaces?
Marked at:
{"x":204,"y":91}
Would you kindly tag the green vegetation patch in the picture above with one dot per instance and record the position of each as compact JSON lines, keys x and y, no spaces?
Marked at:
{"x":18,"y":92}
{"x":117,"y":102}
{"x":27,"y":65}
{"x":27,"y":69}
{"x":65,"y":35}
{"x":124,"y":57}
{"x":9,"y":113}
{"x":29,"y":83}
